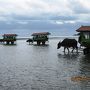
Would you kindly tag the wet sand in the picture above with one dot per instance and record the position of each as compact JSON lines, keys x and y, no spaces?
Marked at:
{"x":31,"y":67}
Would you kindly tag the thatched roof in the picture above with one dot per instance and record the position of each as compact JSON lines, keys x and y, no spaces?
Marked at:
{"x":84,"y":29}
{"x":10,"y":35}
{"x":41,"y":33}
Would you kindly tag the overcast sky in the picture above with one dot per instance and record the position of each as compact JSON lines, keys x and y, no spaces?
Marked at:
{"x":44,"y":13}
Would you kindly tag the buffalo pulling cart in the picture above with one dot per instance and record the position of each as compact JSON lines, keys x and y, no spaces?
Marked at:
{"x":40,"y":38}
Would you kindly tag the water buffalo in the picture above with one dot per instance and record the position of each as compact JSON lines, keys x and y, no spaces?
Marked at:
{"x":30,"y":41}
{"x":67,"y":43}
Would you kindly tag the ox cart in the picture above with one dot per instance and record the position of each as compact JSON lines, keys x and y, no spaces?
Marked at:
{"x":84,"y":38}
{"x":8,"y":38}
{"x":40,"y":38}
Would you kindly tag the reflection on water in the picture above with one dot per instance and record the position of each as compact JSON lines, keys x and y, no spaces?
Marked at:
{"x":85,"y":71}
{"x":30,"y":67}
{"x":69,"y":56}
{"x":86,"y":59}
{"x":85,"y":65}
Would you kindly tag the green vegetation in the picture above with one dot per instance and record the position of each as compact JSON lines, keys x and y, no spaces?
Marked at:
{"x":86,"y":42}
{"x":12,"y":38}
{"x":40,"y":38}
{"x":83,"y":41}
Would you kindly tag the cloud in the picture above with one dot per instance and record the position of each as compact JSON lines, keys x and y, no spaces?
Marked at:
{"x":80,"y":6}
{"x":58,"y":22}
{"x":71,"y":22}
{"x":33,"y":7}
{"x":44,"y":14}
{"x":64,"y":18}
{"x":44,"y":8}
{"x":22,"y":22}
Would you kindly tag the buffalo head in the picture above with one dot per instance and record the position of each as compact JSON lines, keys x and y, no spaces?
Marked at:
{"x":29,"y":40}
{"x":58,"y":45}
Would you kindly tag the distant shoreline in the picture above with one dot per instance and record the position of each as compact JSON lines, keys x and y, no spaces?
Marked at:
{"x":50,"y":37}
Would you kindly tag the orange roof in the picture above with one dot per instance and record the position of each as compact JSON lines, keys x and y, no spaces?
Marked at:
{"x":10,"y":35}
{"x":41,"y":33}
{"x":83,"y":29}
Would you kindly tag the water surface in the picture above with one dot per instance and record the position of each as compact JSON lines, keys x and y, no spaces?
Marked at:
{"x":31,"y":67}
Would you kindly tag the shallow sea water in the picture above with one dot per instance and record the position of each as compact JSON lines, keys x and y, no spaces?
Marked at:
{"x":31,"y":67}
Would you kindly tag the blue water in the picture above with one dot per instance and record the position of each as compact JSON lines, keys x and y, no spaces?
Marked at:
{"x":28,"y":32}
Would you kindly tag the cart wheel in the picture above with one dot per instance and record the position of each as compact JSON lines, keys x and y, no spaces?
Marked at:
{"x":86,"y":51}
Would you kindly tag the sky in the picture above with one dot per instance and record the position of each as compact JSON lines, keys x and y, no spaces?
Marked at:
{"x":62,"y":15}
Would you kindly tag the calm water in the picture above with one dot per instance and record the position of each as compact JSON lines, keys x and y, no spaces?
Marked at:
{"x":28,"y":32}
{"x":31,"y":67}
